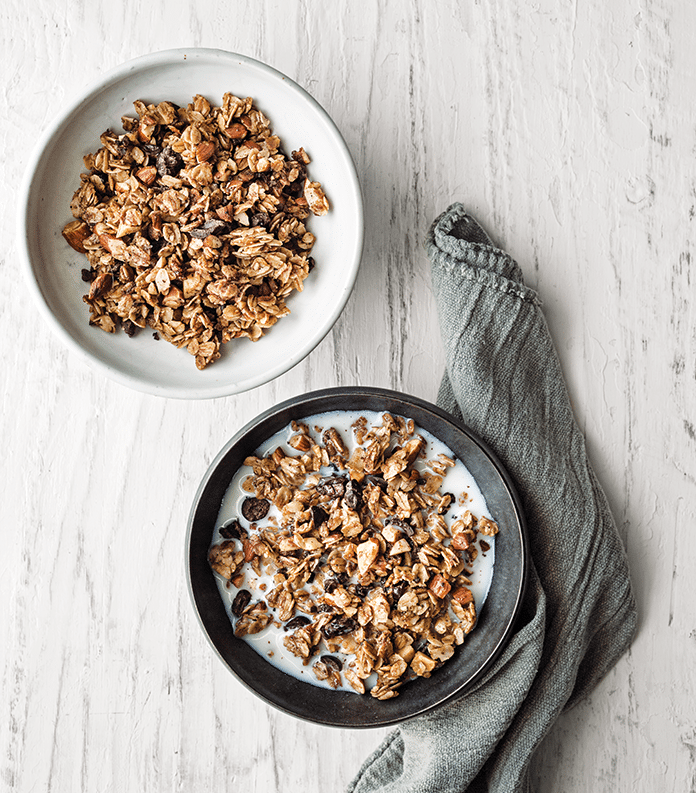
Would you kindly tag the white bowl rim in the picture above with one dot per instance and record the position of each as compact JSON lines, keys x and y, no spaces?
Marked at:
{"x":163,"y":57}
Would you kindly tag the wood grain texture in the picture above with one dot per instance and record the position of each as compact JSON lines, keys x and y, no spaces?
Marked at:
{"x":568,"y":129}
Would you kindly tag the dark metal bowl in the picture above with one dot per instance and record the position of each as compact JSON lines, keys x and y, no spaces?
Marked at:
{"x":345,"y":709}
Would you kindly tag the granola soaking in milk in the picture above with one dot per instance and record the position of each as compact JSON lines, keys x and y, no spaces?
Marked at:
{"x":352,"y":551}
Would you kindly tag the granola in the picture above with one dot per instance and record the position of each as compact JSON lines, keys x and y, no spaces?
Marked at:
{"x":364,"y":562}
{"x":193,"y":221}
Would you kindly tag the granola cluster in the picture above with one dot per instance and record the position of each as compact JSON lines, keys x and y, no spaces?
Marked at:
{"x":193,"y":223}
{"x":363,"y":562}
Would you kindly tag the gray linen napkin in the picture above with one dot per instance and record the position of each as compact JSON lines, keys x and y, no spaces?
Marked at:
{"x":504,"y":381}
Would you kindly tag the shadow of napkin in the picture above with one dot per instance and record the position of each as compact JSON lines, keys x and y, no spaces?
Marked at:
{"x":504,"y":381}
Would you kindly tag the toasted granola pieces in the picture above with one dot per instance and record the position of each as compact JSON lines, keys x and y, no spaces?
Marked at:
{"x":193,"y":222}
{"x":365,"y":553}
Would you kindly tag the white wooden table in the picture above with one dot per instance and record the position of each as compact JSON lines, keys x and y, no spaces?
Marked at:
{"x":569,"y":129}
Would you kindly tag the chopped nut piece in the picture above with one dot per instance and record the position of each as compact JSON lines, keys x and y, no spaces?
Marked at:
{"x":422,"y":664}
{"x":462,"y":595}
{"x":487,"y":527}
{"x":439,"y":586}
{"x":367,"y":553}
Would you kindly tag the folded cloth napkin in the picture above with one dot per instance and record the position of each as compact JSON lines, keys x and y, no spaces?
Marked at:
{"x":504,"y":381}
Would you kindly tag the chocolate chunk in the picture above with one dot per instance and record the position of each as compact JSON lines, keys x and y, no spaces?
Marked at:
{"x":255,"y":509}
{"x":398,"y":590}
{"x":169,"y":163}
{"x":332,"y":663}
{"x":232,"y":531}
{"x":297,"y":622}
{"x":240,"y":602}
{"x":319,"y":516}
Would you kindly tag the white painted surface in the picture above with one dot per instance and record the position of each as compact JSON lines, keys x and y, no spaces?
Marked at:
{"x":568,"y":129}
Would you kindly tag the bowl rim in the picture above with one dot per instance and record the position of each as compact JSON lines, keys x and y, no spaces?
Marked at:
{"x":329,"y":718}
{"x":181,"y":55}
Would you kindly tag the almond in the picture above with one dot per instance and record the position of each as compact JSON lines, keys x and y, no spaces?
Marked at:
{"x":101,"y":285}
{"x":236,"y":131}
{"x":75,"y":233}
{"x":205,"y":150}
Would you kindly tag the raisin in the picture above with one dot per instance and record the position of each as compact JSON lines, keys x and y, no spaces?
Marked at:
{"x":129,"y":328}
{"x":332,"y":486}
{"x":232,"y":531}
{"x":324,"y":608}
{"x":240,"y":602}
{"x":255,"y":509}
{"x":401,"y":524}
{"x":169,"y":163}
{"x":296,"y":188}
{"x":88,"y":275}
{"x":339,"y":626}
{"x":332,"y":663}
{"x":151,"y":148}
{"x":264,"y":288}
{"x":353,"y":496}
{"x":360,"y":590}
{"x":259,"y":219}
{"x":330,"y":585}
{"x":380,"y":481}
{"x":296,"y":622}
{"x":320,"y":516}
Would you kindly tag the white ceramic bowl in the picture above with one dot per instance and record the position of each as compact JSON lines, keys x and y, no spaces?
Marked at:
{"x":54,"y":268}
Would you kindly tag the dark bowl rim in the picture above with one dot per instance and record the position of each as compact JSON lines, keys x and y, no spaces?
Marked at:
{"x":458,"y":425}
